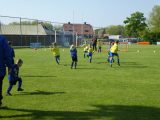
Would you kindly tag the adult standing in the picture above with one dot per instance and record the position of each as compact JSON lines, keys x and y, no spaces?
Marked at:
{"x":94,"y":43}
{"x":11,"y":51}
{"x":5,"y":60}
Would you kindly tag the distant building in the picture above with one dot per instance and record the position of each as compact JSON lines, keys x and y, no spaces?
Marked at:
{"x":81,"y":30}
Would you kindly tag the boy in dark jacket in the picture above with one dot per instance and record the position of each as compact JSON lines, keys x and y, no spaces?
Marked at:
{"x":73,"y":52}
{"x":13,"y":77}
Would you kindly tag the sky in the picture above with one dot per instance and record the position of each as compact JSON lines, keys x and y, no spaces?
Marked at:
{"x":98,"y":13}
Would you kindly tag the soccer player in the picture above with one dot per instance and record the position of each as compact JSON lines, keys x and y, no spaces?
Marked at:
{"x":94,"y":43}
{"x":73,"y":52}
{"x":56,"y":52}
{"x":85,"y":50}
{"x":113,"y":52}
{"x":110,"y":45}
{"x":5,"y":60}
{"x":99,"y":44}
{"x":13,"y":77}
{"x":90,"y":53}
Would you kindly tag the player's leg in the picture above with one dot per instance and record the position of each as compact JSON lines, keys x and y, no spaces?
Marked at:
{"x":76,"y":60}
{"x":11,"y":83}
{"x":19,"y":84}
{"x":90,"y":57}
{"x":1,"y":83}
{"x":111,"y":58}
{"x":56,"y":57}
{"x":118,"y":61}
{"x":72,"y":63}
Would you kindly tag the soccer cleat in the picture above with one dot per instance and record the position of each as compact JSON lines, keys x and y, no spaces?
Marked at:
{"x":8,"y":94}
{"x":20,"y":89}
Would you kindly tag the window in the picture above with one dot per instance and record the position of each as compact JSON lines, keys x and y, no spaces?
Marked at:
{"x":86,"y":30}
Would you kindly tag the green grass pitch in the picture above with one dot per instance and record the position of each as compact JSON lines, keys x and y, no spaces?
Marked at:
{"x":93,"y":91}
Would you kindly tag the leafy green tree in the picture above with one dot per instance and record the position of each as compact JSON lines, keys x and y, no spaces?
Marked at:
{"x":57,"y":27}
{"x":115,"y":30}
{"x":44,"y":24}
{"x":135,"y":24}
{"x":154,"y":19}
{"x":101,"y":32}
{"x":154,"y":22}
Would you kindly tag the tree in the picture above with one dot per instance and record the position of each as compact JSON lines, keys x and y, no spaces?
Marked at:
{"x":57,"y":27}
{"x":101,"y":33}
{"x":135,"y":24}
{"x":115,"y":30}
{"x":46,"y":25}
{"x":154,"y":19}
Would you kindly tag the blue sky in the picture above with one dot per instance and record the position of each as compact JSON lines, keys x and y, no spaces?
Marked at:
{"x":99,"y":13}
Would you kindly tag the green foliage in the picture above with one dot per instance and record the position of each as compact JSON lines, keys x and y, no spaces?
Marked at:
{"x":112,"y":30}
{"x":115,"y":30}
{"x":57,"y":27}
{"x":135,"y":24}
{"x":44,"y":24}
{"x":93,"y":91}
{"x":154,"y":19}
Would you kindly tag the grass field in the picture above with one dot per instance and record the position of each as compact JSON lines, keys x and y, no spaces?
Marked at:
{"x":93,"y":91}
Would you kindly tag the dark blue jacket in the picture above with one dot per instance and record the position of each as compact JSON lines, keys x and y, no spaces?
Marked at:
{"x":5,"y":56}
{"x":13,"y":76}
{"x":12,"y":54}
{"x":73,"y":52}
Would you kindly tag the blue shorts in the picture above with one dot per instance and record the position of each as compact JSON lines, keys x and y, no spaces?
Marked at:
{"x":113,"y":54}
{"x":90,"y":54}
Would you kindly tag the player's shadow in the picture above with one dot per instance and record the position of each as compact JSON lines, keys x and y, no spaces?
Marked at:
{"x":102,"y":62}
{"x":132,"y":64}
{"x":101,"y":112}
{"x":38,"y":76}
{"x":38,"y":92}
{"x":90,"y":68}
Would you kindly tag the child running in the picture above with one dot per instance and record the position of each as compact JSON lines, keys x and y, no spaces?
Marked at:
{"x":73,"y":52}
{"x":99,"y":44}
{"x":13,"y":77}
{"x":110,"y":45}
{"x":90,"y":52}
{"x":113,"y":52}
{"x":56,"y":52}
{"x":85,"y":50}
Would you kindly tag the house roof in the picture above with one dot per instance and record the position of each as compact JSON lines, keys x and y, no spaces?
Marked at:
{"x":80,"y":29}
{"x":24,"y":30}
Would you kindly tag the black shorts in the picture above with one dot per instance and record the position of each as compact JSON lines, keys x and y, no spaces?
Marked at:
{"x":74,"y":59}
{"x":13,"y":82}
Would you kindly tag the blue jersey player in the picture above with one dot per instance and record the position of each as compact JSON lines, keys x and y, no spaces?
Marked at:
{"x":13,"y":77}
{"x":73,"y":52}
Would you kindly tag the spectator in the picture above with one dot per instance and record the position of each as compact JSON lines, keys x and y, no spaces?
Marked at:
{"x":5,"y":60}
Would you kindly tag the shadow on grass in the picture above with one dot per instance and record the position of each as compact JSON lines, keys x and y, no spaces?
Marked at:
{"x":89,"y":68}
{"x":38,"y":92}
{"x":132,"y":64}
{"x":37,"y":76}
{"x":102,"y":63}
{"x":111,"y":112}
